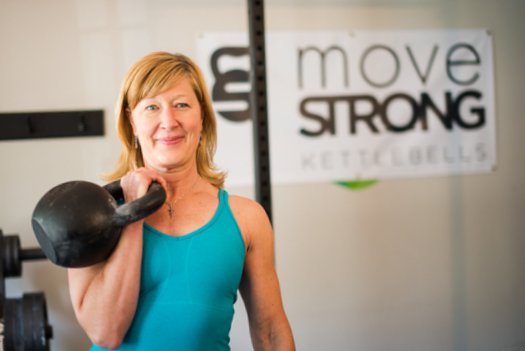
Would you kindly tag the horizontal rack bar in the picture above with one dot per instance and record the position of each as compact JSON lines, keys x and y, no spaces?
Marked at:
{"x":34,"y":125}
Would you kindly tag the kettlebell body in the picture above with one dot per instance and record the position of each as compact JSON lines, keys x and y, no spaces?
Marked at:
{"x":79,"y":223}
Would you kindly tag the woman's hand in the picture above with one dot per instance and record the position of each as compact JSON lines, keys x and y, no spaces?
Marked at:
{"x":136,"y":183}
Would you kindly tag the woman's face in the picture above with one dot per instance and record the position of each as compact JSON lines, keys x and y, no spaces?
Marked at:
{"x":168,"y":127}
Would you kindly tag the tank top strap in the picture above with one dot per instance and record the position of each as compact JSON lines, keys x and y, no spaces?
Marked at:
{"x":223,"y":198}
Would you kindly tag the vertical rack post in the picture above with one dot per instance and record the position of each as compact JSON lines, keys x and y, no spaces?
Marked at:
{"x":258,"y":100}
{"x":2,"y":291}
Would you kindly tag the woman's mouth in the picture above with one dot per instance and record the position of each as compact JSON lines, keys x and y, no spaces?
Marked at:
{"x":171,"y":140}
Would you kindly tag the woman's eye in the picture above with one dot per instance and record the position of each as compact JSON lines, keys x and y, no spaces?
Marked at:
{"x":181,"y":105}
{"x":151,"y":107}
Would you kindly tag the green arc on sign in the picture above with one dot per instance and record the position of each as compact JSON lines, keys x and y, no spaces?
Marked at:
{"x":357,"y":184}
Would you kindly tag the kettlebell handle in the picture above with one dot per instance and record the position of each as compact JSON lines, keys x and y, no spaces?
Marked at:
{"x":137,"y":209}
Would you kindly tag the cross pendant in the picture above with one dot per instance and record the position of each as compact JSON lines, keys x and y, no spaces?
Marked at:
{"x":170,"y":211}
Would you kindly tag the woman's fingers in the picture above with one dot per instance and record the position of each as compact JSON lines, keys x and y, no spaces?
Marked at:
{"x":136,"y":183}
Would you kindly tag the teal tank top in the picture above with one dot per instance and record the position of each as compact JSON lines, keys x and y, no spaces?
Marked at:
{"x":188,"y":287}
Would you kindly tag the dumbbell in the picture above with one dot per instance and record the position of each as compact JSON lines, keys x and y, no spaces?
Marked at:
{"x":78,"y":223}
{"x":23,"y":323}
{"x":13,"y":255}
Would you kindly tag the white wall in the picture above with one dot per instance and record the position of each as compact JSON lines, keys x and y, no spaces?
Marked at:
{"x":410,"y":264}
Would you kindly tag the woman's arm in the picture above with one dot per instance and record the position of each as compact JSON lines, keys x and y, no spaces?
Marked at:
{"x":259,"y":288}
{"x":105,"y":295}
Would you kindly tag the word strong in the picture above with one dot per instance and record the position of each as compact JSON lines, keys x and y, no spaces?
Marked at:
{"x":379,"y":118}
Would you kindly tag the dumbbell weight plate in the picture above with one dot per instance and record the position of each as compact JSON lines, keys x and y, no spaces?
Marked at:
{"x":11,"y":256}
{"x":26,"y":325}
{"x":13,"y":325}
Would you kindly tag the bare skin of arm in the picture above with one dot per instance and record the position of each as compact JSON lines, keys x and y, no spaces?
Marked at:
{"x":260,"y":290}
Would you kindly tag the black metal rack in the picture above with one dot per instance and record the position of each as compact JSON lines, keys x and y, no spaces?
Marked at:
{"x":30,"y":125}
{"x":257,"y":51}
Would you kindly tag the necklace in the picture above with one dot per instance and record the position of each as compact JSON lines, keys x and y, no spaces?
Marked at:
{"x":170,"y":205}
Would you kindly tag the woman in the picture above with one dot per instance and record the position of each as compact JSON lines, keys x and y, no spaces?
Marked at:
{"x":173,"y":278}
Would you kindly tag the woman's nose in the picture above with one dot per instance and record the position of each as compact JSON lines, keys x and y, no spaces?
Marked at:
{"x":168,"y":118}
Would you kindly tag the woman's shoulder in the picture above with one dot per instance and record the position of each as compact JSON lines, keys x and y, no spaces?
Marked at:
{"x":245,"y":207}
{"x":249,"y":214}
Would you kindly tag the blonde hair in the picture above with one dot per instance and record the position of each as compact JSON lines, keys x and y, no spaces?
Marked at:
{"x":150,"y":76}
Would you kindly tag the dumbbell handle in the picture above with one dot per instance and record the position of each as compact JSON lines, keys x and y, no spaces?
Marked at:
{"x":32,"y":254}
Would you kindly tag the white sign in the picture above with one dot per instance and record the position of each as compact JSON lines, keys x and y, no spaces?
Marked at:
{"x":359,"y":105}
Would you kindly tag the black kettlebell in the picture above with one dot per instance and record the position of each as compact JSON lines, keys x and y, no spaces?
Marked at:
{"x":78,"y":223}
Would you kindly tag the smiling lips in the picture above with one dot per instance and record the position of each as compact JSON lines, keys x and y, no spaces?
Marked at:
{"x":171,"y":140}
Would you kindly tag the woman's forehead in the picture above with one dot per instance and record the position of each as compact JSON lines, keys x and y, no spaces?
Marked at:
{"x":181,"y":87}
